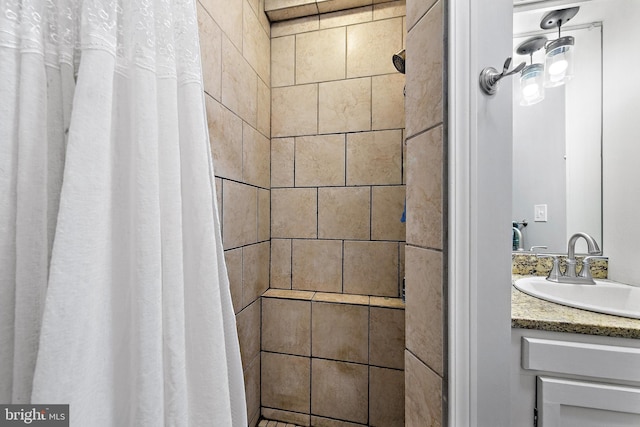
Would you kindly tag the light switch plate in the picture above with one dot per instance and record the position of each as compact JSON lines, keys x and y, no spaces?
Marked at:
{"x":540,"y":213}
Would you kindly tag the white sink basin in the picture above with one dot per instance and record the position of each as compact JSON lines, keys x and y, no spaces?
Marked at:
{"x":605,"y":297}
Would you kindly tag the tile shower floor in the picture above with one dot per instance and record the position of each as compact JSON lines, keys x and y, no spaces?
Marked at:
{"x":267,"y":423}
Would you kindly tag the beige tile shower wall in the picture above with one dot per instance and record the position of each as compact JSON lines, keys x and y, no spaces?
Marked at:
{"x":337,"y":157}
{"x":425,"y":355}
{"x":234,"y":40}
{"x":332,"y":359}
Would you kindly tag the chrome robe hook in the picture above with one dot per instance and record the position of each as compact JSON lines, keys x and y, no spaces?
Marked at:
{"x":489,"y":77}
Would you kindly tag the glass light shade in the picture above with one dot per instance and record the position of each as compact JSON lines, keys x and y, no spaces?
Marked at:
{"x":559,"y":62}
{"x":532,"y":84}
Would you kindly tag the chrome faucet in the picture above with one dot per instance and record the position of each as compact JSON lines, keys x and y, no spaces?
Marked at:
{"x":592,"y":248}
{"x":570,"y":275}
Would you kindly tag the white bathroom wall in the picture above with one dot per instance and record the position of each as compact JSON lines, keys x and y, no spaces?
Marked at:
{"x":584,"y":138}
{"x":621,"y":130}
{"x":539,"y":175}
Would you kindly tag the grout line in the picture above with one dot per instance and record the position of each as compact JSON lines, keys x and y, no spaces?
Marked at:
{"x":260,"y":361}
{"x":317,"y":213}
{"x":371,"y":213}
{"x":400,"y":278}
{"x":428,"y":248}
{"x":242,"y":280}
{"x":317,"y":108}
{"x":425,"y":364}
{"x":343,"y":264}
{"x":346,"y":50}
{"x":369,"y":365}
{"x":422,"y":16}
{"x":295,"y":58}
{"x":339,"y":360}
{"x":294,"y":161}
{"x":291,"y":264}
{"x":371,"y":103}
{"x":310,"y":355}
{"x":346,"y":159}
{"x":245,"y":183}
{"x":429,"y":128}
{"x":221,"y":207}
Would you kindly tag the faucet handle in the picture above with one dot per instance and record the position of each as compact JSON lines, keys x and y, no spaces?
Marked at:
{"x":533,"y":248}
{"x":590,"y":257}
{"x":555,"y":273}
{"x":586,"y":264}
{"x":546,"y":255}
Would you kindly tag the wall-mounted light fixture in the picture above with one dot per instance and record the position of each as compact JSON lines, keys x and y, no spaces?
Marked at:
{"x":490,"y":77}
{"x":559,"y":52}
{"x":557,"y":69}
{"x":532,"y":76}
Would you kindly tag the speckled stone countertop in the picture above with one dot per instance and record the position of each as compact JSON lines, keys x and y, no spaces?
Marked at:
{"x":527,"y":263}
{"x":528,"y":312}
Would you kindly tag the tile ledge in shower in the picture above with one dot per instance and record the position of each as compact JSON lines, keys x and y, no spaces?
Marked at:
{"x":288,"y":294}
{"x":387,"y":302}
{"x":341,"y":298}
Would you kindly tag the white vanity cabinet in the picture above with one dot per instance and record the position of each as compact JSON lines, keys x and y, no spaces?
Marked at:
{"x":566,"y":380}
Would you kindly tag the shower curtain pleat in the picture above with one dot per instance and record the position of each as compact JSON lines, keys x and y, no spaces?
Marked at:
{"x":175,"y":395}
{"x":33,"y":217}
{"x":207,"y":306}
{"x":118,"y":297}
{"x":9,"y":91}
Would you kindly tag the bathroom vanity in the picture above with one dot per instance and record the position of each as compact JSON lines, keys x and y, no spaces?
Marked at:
{"x":571,"y":367}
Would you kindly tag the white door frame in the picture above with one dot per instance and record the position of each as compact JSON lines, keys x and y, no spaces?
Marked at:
{"x":479,"y":193}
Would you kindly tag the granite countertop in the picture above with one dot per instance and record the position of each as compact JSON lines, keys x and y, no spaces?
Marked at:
{"x":528,"y":312}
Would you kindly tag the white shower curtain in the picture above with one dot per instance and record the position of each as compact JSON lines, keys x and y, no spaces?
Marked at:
{"x":114,"y":295}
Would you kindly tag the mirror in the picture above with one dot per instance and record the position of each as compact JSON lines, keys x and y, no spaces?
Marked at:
{"x":557,"y":142}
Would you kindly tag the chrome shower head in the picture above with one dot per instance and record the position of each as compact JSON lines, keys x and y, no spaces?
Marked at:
{"x":398,"y":61}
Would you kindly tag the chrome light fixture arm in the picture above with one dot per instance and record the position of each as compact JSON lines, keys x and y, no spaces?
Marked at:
{"x":489,"y":77}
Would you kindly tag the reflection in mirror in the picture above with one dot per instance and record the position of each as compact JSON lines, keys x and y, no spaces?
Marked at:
{"x":557,"y":142}
{"x":620,"y":124}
